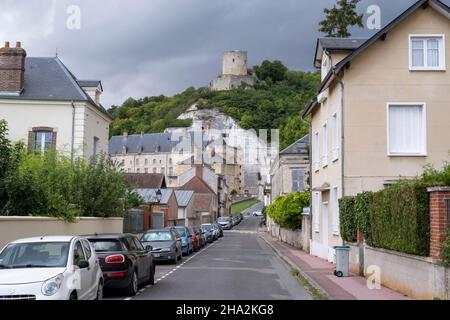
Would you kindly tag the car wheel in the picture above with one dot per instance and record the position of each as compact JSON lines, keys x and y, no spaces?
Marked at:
{"x":132,"y":288}
{"x":151,"y":281}
{"x":99,"y":291}
{"x":73,"y":296}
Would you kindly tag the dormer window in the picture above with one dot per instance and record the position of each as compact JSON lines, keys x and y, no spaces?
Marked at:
{"x":427,"y":53}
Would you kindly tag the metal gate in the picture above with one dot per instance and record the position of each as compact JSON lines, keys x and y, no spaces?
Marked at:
{"x":133,"y":221}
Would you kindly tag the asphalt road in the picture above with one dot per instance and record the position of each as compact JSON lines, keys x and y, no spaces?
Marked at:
{"x":240,"y":266}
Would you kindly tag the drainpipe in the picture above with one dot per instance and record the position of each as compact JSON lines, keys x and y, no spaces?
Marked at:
{"x":73,"y":132}
{"x":341,"y":82}
{"x":310,"y":177}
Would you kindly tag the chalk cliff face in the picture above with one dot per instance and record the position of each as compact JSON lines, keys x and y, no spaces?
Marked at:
{"x":253,"y":153}
{"x":210,"y":118}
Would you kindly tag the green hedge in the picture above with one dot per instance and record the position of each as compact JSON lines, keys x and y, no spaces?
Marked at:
{"x":400,"y":218}
{"x":362,"y":214}
{"x":445,"y":250}
{"x":286,"y":211}
{"x":396,"y":218}
{"x":347,"y":219}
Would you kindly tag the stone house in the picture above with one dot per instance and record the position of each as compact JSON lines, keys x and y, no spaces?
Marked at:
{"x":48,"y":108}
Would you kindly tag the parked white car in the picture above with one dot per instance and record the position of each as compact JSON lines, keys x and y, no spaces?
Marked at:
{"x":50,"y":268}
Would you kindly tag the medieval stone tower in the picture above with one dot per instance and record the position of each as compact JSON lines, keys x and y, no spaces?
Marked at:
{"x":234,"y":72}
{"x":235,"y":63}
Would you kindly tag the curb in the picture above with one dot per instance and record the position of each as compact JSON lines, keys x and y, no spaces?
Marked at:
{"x":295,"y":267}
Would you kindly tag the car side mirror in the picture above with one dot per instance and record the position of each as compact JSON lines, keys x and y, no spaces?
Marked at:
{"x":83,"y":264}
{"x":149,"y":248}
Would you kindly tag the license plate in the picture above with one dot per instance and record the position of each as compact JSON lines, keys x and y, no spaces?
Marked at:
{"x":157,"y":255}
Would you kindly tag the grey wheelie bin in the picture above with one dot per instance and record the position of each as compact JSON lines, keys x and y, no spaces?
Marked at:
{"x":342,"y":261}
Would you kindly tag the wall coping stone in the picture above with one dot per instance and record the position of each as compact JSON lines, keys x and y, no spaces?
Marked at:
{"x":405,"y":255}
{"x":31,"y":218}
{"x":439,"y":189}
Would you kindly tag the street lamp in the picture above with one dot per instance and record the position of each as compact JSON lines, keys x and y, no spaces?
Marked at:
{"x":158,"y":195}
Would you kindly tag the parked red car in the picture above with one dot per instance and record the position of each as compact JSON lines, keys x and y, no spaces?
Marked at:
{"x":196,"y":239}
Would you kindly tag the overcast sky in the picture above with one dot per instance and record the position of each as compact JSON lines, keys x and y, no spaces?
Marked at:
{"x":150,"y":47}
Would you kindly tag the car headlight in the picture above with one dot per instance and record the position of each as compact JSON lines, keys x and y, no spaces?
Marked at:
{"x":51,"y":286}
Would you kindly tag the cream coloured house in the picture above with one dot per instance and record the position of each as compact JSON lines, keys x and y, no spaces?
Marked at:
{"x":46,"y":107}
{"x":383,"y":112}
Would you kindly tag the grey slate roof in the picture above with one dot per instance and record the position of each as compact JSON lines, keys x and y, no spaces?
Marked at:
{"x":149,"y":195}
{"x":184,"y":197}
{"x":299,"y":147}
{"x":49,"y":79}
{"x":341,"y":43}
{"x":146,"y":143}
{"x":88,"y":83}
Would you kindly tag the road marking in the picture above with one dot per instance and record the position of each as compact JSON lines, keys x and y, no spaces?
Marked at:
{"x":175,"y":269}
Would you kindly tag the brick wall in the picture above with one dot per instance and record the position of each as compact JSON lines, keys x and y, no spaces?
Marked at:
{"x":439,"y":223}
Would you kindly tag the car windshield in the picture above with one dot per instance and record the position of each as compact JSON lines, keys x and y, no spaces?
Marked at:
{"x":182,"y":232}
{"x":223,"y":219}
{"x":35,"y":255}
{"x":207,"y":227}
{"x":157,"y":236}
{"x":106,"y":245}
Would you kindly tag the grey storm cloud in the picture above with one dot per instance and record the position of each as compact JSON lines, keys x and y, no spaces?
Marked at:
{"x":150,"y":47}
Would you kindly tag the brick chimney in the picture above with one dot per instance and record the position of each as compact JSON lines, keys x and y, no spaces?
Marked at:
{"x":199,"y":171}
{"x":12,"y":68}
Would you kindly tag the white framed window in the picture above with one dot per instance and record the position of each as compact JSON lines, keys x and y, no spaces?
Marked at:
{"x":316,"y":147}
{"x":335,"y":208}
{"x":325,"y":145}
{"x":335,"y":137}
{"x":427,"y":52}
{"x":316,"y":211}
{"x":407,"y":129}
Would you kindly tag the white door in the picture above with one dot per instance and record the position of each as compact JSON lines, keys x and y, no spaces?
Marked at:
{"x":325,"y":229}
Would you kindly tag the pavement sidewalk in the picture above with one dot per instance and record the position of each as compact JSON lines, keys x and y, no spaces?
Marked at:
{"x":320,"y":275}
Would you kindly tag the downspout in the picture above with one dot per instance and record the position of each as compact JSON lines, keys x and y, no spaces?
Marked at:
{"x":341,"y":82}
{"x":73,"y":133}
{"x":310,"y":178}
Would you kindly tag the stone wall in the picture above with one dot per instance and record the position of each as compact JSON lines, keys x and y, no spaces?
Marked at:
{"x":414,"y":276}
{"x":295,"y":238}
{"x":14,"y":228}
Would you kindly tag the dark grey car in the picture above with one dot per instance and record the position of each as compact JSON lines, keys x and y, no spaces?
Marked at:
{"x":166,"y":245}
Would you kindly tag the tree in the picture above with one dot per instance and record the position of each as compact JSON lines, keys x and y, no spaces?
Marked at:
{"x":339,"y":19}
{"x":271,"y":72}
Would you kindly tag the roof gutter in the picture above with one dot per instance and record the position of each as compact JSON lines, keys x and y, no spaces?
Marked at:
{"x":310,"y":174}
{"x":72,"y":151}
{"x":342,"y":160}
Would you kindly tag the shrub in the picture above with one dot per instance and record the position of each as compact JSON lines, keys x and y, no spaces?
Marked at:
{"x":55,"y":186}
{"x":445,"y":251}
{"x":286,"y":211}
{"x":362,"y":207}
{"x":347,"y":219}
{"x":433,"y":177}
{"x":400,"y":219}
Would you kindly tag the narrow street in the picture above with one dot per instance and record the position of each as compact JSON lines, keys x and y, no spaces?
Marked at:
{"x":240,"y":266}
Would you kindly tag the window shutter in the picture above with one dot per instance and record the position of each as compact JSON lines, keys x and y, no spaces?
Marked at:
{"x":31,"y":141}
{"x":54,"y":136}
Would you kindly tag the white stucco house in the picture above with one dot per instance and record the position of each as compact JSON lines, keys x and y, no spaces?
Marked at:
{"x":47,"y":107}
